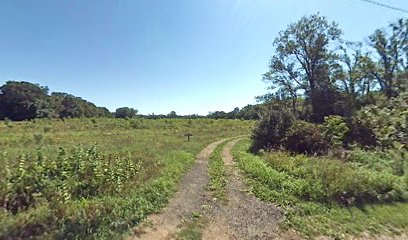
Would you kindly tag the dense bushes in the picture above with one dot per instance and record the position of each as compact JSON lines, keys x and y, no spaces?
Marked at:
{"x":389,"y":120}
{"x":272,"y":129}
{"x":279,"y":129}
{"x":304,"y":137}
{"x":334,"y":129}
{"x":360,"y":134}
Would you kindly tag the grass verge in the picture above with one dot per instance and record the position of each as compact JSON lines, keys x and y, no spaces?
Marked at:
{"x":285,"y":187}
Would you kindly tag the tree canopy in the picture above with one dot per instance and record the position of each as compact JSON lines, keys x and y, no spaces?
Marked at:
{"x":25,"y":101}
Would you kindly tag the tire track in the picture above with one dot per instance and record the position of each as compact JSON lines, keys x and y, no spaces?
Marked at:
{"x":245,"y":216}
{"x":189,"y":199}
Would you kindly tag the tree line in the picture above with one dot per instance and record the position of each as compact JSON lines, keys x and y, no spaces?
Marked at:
{"x":25,"y":101}
{"x":326,"y":93}
{"x":20,"y":100}
{"x":317,"y":73}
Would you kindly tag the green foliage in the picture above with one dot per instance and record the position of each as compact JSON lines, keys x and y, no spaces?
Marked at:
{"x":125,"y":112}
{"x":390,"y":47}
{"x":389,"y":120}
{"x":334,"y":129}
{"x":21,"y":100}
{"x":360,"y":134}
{"x":290,"y":72}
{"x":392,"y":161}
{"x":82,"y":174}
{"x":305,"y":138}
{"x":322,"y":180}
{"x":271,"y":129}
{"x":324,"y":196}
{"x":25,"y":101}
{"x":335,"y":77}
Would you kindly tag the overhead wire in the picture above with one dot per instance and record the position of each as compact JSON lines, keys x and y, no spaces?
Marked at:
{"x":386,"y":6}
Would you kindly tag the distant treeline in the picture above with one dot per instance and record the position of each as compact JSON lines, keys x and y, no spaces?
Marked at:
{"x":25,"y":101}
{"x":20,"y":100}
{"x":249,"y":112}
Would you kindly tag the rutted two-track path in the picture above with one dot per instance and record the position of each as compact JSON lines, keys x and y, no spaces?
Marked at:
{"x":244,"y":217}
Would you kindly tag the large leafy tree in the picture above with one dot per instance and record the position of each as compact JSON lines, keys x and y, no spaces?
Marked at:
{"x":389,"y":64}
{"x":23,"y":100}
{"x":303,"y":61}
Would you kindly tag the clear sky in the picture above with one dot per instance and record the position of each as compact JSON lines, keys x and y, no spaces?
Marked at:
{"x":190,"y":56}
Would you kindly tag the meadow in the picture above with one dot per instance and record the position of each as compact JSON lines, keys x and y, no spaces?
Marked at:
{"x":95,"y":178}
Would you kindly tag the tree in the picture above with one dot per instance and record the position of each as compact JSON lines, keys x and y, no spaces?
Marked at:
{"x":302,"y":63}
{"x":22,"y":100}
{"x":172,"y":114}
{"x":125,"y":112}
{"x":389,"y":65}
{"x":354,"y":80}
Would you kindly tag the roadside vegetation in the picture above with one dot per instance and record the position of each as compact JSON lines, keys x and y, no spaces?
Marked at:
{"x":331,"y":147}
{"x":95,"y":178}
{"x":327,"y":197}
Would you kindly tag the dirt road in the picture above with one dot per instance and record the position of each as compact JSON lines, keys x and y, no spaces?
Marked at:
{"x":189,"y":199}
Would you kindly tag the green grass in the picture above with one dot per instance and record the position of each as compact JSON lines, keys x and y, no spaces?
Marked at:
{"x":303,"y":187}
{"x":157,"y":147}
{"x":218,"y":174}
{"x":192,"y":229}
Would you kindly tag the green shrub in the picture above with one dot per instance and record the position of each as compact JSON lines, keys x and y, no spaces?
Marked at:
{"x":360,"y":134}
{"x":305,"y":138}
{"x":334,"y":130}
{"x":392,"y":161}
{"x":271,"y":129}
{"x":83,"y":173}
{"x":389,"y":120}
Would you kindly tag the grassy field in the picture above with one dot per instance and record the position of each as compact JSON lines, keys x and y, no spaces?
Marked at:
{"x":327,"y":197}
{"x":95,"y":178}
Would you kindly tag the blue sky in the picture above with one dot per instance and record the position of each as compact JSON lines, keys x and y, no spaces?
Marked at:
{"x":190,"y":56}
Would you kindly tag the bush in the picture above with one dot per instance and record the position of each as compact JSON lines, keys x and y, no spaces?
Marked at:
{"x":360,"y":134}
{"x":334,"y":130}
{"x":305,"y":138}
{"x":271,"y":129}
{"x":389,"y":121}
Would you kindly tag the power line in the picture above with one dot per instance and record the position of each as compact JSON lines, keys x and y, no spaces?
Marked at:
{"x":386,"y":6}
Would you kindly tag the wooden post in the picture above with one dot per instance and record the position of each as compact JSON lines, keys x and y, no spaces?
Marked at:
{"x":188,"y":135}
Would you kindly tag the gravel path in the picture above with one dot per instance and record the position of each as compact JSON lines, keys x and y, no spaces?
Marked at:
{"x":189,"y":199}
{"x":245,"y":216}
